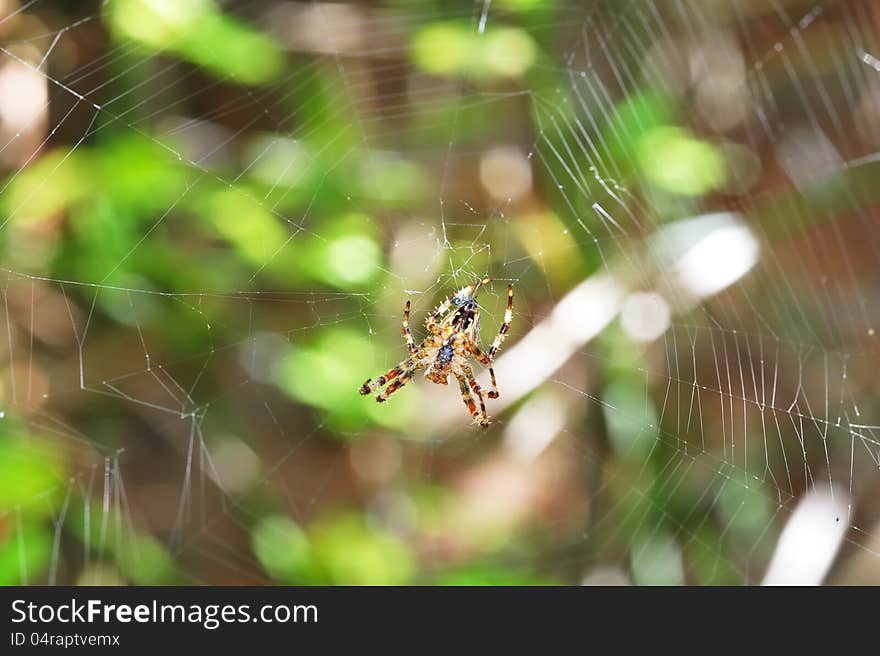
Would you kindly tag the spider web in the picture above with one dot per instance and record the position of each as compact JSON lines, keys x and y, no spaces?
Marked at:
{"x":203,"y":260}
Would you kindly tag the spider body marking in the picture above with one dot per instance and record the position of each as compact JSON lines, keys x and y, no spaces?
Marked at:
{"x":445,"y":354}
{"x":453,"y":337}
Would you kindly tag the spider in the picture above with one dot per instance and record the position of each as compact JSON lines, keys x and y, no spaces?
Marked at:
{"x":445,"y":350}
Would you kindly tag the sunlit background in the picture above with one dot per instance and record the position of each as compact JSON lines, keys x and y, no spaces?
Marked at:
{"x":212,"y":214}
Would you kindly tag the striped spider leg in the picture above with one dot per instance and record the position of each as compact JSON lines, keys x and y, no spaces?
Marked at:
{"x":397,"y":376}
{"x":487,"y":358}
{"x":410,"y":344}
{"x":403,"y":370}
{"x":467,"y":384}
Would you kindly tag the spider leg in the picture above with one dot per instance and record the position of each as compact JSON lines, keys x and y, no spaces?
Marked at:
{"x":508,"y":317}
{"x":469,"y":401}
{"x":478,"y":392}
{"x":372,"y":385}
{"x":410,"y":344}
{"x":492,"y":393}
{"x":484,"y":359}
{"x":431,"y":321}
{"x":401,"y":380}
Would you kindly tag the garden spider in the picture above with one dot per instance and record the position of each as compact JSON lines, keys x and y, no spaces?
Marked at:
{"x":446,"y":348}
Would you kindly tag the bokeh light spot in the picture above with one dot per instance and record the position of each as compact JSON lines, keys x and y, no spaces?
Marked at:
{"x":676,"y":161}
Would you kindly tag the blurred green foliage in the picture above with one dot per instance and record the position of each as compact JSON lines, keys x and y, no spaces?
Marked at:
{"x":198,"y":31}
{"x":31,"y":486}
